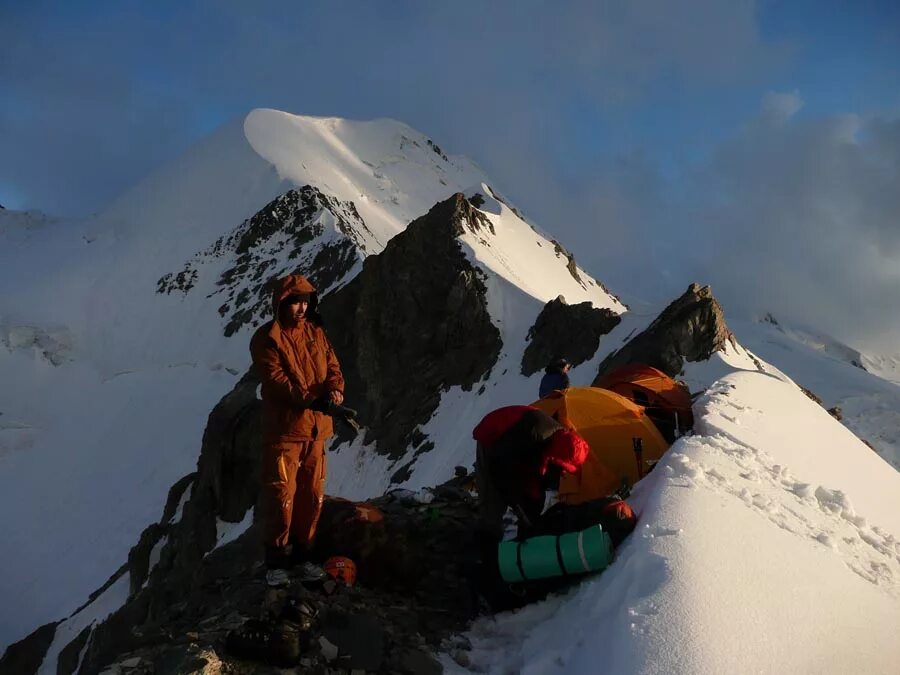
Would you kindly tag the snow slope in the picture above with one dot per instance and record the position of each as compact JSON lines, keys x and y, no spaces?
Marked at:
{"x":865,"y":388}
{"x":768,"y":542}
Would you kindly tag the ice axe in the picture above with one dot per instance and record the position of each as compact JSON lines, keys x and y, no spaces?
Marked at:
{"x":339,"y":412}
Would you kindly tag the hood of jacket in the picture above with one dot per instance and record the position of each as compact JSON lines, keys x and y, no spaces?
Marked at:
{"x":295,"y":284}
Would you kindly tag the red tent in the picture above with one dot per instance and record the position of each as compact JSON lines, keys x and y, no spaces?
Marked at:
{"x":667,"y":403}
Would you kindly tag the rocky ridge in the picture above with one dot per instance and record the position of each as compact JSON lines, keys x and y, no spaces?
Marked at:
{"x":303,"y":231}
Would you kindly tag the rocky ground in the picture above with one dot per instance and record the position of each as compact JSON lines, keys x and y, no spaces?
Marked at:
{"x":416,"y":603}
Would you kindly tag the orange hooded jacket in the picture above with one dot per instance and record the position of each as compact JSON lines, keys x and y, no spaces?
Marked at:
{"x":296,"y":365}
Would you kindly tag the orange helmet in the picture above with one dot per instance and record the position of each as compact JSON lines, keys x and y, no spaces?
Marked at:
{"x":341,"y":569}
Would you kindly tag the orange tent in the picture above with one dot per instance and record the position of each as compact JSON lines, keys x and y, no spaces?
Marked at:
{"x":610,"y":423}
{"x":666,"y":402}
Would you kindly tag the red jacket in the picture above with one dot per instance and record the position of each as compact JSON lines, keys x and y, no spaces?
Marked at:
{"x":522,"y":442}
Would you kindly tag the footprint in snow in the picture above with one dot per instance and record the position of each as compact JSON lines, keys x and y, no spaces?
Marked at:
{"x":658,"y":531}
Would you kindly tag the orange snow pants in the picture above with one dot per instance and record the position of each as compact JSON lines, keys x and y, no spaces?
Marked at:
{"x":293,"y":489}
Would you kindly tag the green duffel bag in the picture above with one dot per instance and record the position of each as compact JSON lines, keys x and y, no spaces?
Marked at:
{"x":547,"y":556}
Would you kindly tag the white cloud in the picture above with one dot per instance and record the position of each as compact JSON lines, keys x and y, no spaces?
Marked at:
{"x":97,"y":99}
{"x":778,"y":108}
{"x":800,"y":218}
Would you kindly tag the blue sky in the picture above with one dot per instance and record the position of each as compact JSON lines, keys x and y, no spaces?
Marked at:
{"x":626,"y":128}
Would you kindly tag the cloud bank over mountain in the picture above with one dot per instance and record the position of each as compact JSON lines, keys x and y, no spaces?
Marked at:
{"x":626,"y":129}
{"x":794,"y":215}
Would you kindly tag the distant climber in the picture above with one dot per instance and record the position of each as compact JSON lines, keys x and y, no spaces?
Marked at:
{"x":520,"y":454}
{"x":302,"y":388}
{"x":555,"y":377}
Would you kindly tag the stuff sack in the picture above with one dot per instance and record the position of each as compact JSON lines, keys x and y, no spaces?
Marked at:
{"x":614,"y":515}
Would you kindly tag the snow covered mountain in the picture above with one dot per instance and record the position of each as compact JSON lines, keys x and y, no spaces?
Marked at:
{"x":124,"y":331}
{"x":117,"y":340}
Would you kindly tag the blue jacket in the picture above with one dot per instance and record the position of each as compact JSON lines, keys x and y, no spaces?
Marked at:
{"x":553,"y":380}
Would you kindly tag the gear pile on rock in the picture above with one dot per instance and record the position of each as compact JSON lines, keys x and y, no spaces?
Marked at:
{"x":411,"y":600}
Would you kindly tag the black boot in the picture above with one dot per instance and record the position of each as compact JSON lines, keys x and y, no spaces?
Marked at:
{"x":279,"y":557}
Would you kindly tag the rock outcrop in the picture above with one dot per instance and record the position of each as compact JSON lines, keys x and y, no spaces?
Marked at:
{"x":26,"y":655}
{"x":411,"y":324}
{"x":692,"y":328}
{"x":566,"y":331}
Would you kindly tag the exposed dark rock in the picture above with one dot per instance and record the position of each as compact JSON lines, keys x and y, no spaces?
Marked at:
{"x":836,"y":413}
{"x":282,"y":238}
{"x":188,"y":659}
{"x":810,"y":395}
{"x":692,"y":328}
{"x":413,"y":323}
{"x":139,"y":556}
{"x":756,"y":361}
{"x":70,"y":654}
{"x":566,"y":331}
{"x":570,"y":265}
{"x":26,"y":655}
{"x":358,"y":637}
{"x":403,"y":474}
{"x":434,"y":146}
{"x":477,"y":200}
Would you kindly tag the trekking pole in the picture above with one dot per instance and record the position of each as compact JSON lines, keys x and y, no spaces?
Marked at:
{"x":638,"y":445}
{"x":523,"y":519}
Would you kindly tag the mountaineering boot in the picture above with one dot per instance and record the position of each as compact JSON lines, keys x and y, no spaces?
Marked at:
{"x":279,"y":557}
{"x":301,"y":567}
{"x":308,"y":572}
{"x":275,"y":643}
{"x":278,"y":561}
{"x":301,"y":613}
{"x":277,"y":577}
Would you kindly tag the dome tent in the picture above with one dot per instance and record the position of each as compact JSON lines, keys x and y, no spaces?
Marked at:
{"x":613,"y":426}
{"x":666,"y":402}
